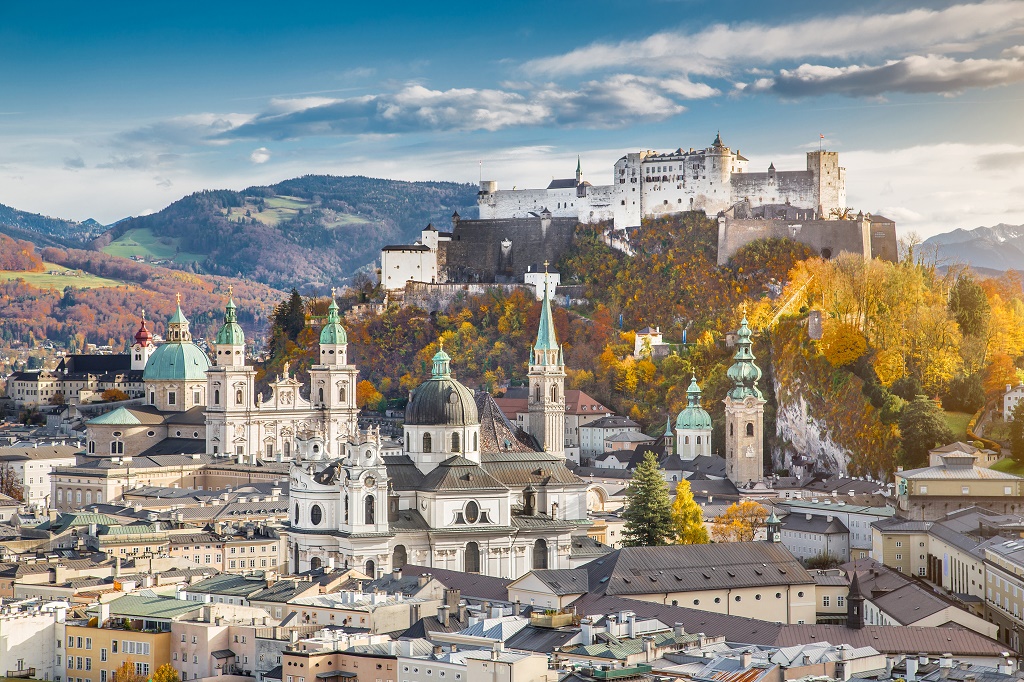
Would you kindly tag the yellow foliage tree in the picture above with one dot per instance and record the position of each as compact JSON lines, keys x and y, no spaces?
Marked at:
{"x":688,"y":517}
{"x":739,"y":523}
{"x":367,"y":395}
{"x":842,"y":343}
{"x":889,"y":366}
{"x":166,"y":673}
{"x":126,"y":673}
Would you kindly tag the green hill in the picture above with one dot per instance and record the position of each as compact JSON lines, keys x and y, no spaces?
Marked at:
{"x":46,"y":231}
{"x":308,"y":232}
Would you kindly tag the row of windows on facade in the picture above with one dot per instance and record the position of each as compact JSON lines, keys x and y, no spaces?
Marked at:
{"x":316,"y":512}
{"x":750,"y":429}
{"x":428,"y":442}
{"x":128,"y":646}
{"x":141,"y":669}
{"x":718,"y":600}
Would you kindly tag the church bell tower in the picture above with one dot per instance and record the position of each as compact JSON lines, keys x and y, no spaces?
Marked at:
{"x":547,"y":383}
{"x":333,"y":383}
{"x":744,"y":415}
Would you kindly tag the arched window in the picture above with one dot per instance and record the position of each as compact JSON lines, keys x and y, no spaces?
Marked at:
{"x":536,"y":393}
{"x":78,"y":497}
{"x":686,"y":440}
{"x":320,"y":393}
{"x":315,"y":563}
{"x":216,"y":396}
{"x":296,"y":513}
{"x":426,"y":442}
{"x":455,"y":442}
{"x":88,"y":497}
{"x":476,"y":444}
{"x":400,"y":557}
{"x":554,"y":393}
{"x":238,"y":397}
{"x":471,"y":564}
{"x":346,"y":509}
{"x":60,"y":496}
{"x":730,"y":429}
{"x":369,"y":509}
{"x":540,"y":554}
{"x":698,"y":440}
{"x":341,"y":394}
{"x":371,"y":569}
{"x":750,"y":428}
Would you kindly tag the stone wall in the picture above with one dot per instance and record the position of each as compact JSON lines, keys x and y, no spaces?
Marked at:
{"x":828,"y":238}
{"x":484,"y":251}
{"x":436,"y":297}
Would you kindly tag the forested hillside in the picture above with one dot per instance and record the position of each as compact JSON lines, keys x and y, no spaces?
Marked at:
{"x":310,"y":232}
{"x":45,"y":231}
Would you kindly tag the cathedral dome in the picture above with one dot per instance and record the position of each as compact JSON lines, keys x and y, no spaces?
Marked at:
{"x":179,"y":359}
{"x":441,"y":400}
{"x":693,"y":417}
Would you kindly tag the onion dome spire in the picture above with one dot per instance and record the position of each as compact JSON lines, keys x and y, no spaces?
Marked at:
{"x":143,"y":337}
{"x":177,"y":326}
{"x":744,"y":373}
{"x":230,"y":333}
{"x":442,"y":363}
{"x":333,"y":333}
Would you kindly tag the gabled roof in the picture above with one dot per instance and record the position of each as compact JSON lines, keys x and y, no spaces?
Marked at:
{"x":814,"y":523}
{"x":138,"y":606}
{"x":563,"y":581}
{"x":497,"y":434}
{"x":469,"y":584}
{"x":459,"y":473}
{"x":682,"y":568}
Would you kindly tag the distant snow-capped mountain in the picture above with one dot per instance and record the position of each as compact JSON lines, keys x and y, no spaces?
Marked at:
{"x":997,"y":248}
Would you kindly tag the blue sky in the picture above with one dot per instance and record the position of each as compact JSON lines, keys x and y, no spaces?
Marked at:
{"x":115,"y":109}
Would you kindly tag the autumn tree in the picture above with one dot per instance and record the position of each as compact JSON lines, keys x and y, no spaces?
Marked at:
{"x":739,"y":523}
{"x":165,"y":673}
{"x":10,"y":483}
{"x":648,"y":513}
{"x":126,"y":673}
{"x":367,"y":395}
{"x":688,"y":517}
{"x":922,"y":427}
{"x":843,"y":343}
{"x":57,"y":398}
{"x":1017,"y":431}
{"x":113,"y":395}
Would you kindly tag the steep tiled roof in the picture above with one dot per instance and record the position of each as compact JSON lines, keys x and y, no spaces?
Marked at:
{"x":497,"y":434}
{"x":459,"y":473}
{"x":469,"y":584}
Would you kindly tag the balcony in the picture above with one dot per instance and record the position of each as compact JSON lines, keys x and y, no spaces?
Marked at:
{"x":550,"y":620}
{"x":25,"y":673}
{"x":632,"y":671}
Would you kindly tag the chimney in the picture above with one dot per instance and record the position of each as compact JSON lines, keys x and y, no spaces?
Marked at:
{"x":631,"y":625}
{"x":946,"y":661}
{"x":117,"y":567}
{"x":648,"y":649}
{"x":515,"y":608}
{"x":964,"y":665}
{"x":442,"y":615}
{"x":679,"y":630}
{"x":438,"y":650}
{"x":422,"y":580}
{"x":462,"y":611}
{"x":586,"y":632}
{"x":497,"y":611}
{"x":405,"y":647}
{"x":746,"y":658}
{"x":104,"y":614}
{"x":1006,"y":667}
{"x":911,"y":669}
{"x":396,"y":574}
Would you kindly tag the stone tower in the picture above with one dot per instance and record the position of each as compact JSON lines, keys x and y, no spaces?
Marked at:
{"x":744,"y":415}
{"x":230,"y":391}
{"x":547,"y":384}
{"x":333,"y":383}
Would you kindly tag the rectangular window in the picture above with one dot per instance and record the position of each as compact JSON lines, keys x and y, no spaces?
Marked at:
{"x":78,"y":642}
{"x":88,"y":642}
{"x":899,"y":544}
{"x":88,"y":664}
{"x":1007,"y":490}
{"x":171,"y":398}
{"x":826,"y":601}
{"x":103,"y":654}
{"x":103,"y":676}
{"x":899,"y":557}
{"x":966,"y":490}
{"x":921,"y":571}
{"x":840,"y":601}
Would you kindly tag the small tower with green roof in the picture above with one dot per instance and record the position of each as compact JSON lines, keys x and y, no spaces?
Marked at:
{"x":547,"y":384}
{"x":693,"y":426}
{"x":229,"y":345}
{"x":333,"y":381}
{"x":744,"y":414}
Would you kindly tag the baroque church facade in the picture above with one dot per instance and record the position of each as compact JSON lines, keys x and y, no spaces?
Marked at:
{"x":467,"y":491}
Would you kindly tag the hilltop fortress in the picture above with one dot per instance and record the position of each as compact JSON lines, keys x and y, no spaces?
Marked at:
{"x":647,"y":184}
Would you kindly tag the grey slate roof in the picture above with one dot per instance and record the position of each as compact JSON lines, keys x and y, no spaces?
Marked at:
{"x":403,"y":472}
{"x":680,"y":568}
{"x":563,"y":581}
{"x":814,"y":523}
{"x":459,"y":473}
{"x":469,"y":584}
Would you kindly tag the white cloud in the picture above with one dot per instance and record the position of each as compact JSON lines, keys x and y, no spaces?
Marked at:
{"x":261,"y":155}
{"x":715,"y":49}
{"x":914,"y":74}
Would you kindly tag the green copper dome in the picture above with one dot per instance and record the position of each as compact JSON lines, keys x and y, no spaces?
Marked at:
{"x":333,"y":333}
{"x":744,"y":373}
{"x":693,"y":417}
{"x":178,"y":359}
{"x":177,"y":362}
{"x":441,"y":400}
{"x":231,"y":333}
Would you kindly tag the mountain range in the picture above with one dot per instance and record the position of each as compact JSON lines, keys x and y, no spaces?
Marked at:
{"x":996,"y":248}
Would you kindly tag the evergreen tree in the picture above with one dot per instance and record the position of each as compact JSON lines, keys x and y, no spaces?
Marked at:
{"x":922,"y":427}
{"x":688,"y":517}
{"x":648,"y":513}
{"x":1017,"y":431}
{"x":969,"y":305}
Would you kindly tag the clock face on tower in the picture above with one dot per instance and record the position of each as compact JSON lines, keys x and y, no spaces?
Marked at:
{"x":370,"y":482}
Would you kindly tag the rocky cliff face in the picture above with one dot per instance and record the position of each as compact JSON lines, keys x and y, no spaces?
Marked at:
{"x":823,"y":419}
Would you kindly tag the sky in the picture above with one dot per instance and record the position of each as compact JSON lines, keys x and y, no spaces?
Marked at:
{"x":115,"y":109}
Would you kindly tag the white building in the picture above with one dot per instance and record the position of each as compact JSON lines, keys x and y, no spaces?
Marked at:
{"x":645,"y":341}
{"x":543,"y":281}
{"x":495,"y":664}
{"x":693,"y":426}
{"x":594,"y":435}
{"x":33,"y":465}
{"x":402,"y":263}
{"x":29,"y":633}
{"x":1013,"y":395}
{"x":810,"y":535}
{"x":648,"y":184}
{"x":856,"y":517}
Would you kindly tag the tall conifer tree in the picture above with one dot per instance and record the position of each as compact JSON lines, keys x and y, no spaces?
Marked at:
{"x":648,"y":513}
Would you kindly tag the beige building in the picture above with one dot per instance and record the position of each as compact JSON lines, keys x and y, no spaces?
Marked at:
{"x":957,"y":482}
{"x":753,"y":579}
{"x":1004,"y":588}
{"x":33,"y":466}
{"x":219,"y":640}
{"x":233,"y":550}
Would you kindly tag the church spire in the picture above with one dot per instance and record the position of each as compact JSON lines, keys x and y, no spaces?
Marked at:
{"x":442,"y":363}
{"x":546,"y":348}
{"x":744,"y":373}
{"x":579,"y":171}
{"x":230,"y":333}
{"x":177,"y":326}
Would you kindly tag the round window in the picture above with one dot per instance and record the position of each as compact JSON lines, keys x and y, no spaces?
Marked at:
{"x":316,"y":515}
{"x":472,"y":512}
